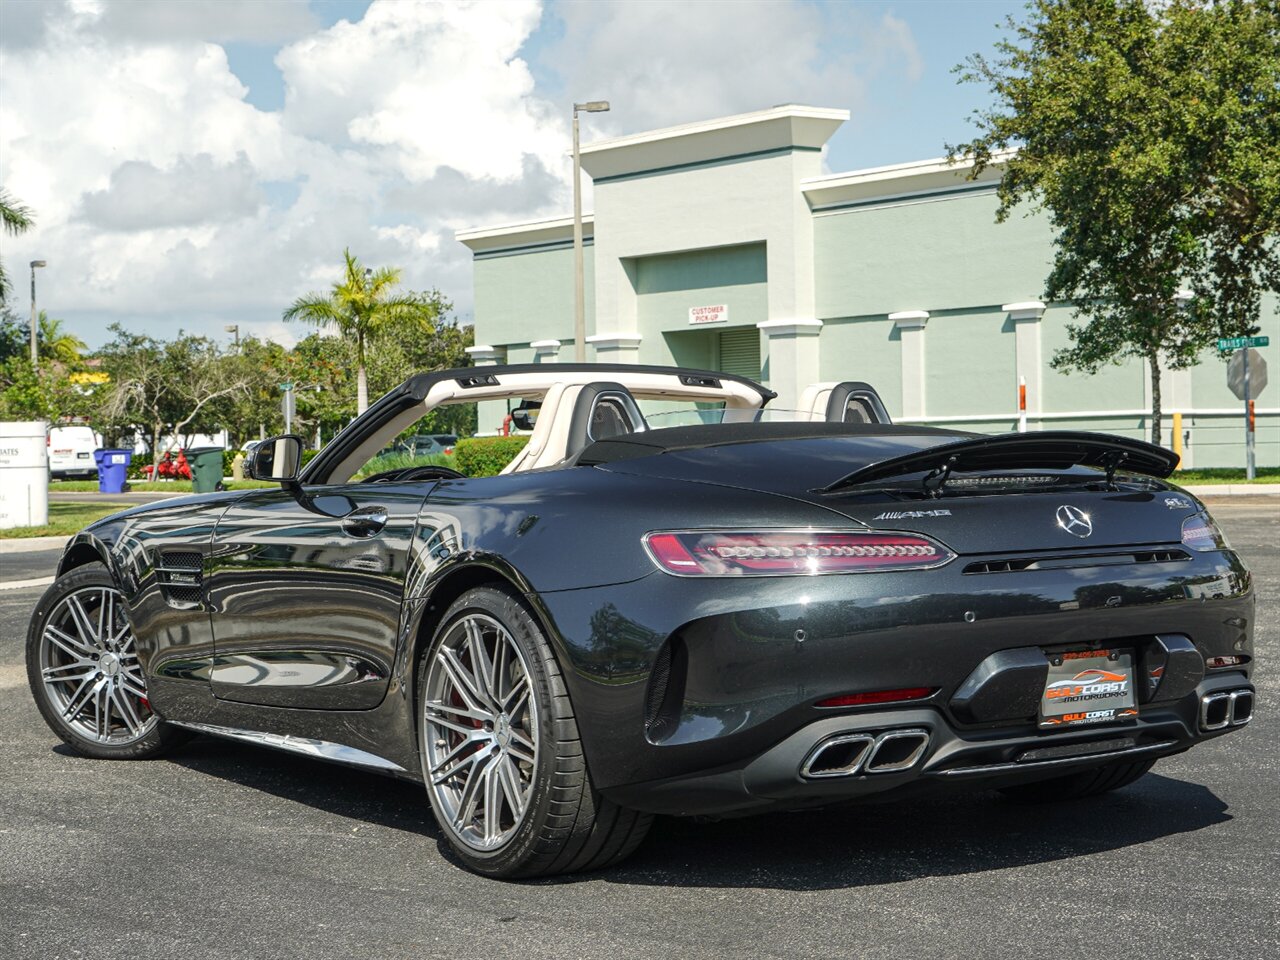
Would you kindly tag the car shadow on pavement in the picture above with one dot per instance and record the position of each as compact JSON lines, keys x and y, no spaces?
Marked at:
{"x":946,"y":835}
{"x":852,"y":846}
{"x":344,"y":791}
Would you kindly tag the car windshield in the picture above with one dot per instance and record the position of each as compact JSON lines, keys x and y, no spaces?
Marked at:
{"x":691,"y":416}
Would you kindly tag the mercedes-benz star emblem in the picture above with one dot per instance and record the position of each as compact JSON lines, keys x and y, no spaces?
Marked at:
{"x":1075,"y":521}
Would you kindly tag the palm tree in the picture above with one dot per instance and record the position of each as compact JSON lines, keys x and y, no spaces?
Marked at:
{"x":362,"y":307}
{"x":17,"y":219}
{"x":57,"y":344}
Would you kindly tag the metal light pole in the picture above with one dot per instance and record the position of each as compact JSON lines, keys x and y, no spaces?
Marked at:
{"x":579,"y":293}
{"x":1250,"y":457}
{"x":234,"y":328}
{"x":35,"y":350}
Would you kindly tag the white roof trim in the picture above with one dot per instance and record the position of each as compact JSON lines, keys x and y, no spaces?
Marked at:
{"x":526,"y":232}
{"x":783,"y":327}
{"x":742,"y":136}
{"x":898,"y":179}
{"x":910,"y":318}
{"x":720,"y":123}
{"x":1025,"y":310}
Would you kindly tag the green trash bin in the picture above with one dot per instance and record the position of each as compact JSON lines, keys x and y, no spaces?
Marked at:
{"x":206,"y":469}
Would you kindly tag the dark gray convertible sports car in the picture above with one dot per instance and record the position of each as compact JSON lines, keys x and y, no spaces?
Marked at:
{"x":672,"y":601}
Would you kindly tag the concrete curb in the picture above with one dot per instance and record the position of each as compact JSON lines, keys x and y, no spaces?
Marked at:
{"x":31,"y":544}
{"x":1233,"y":489}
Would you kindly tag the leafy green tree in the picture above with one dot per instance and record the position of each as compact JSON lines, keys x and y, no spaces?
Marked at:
{"x":262,"y":365}
{"x":13,"y":335}
{"x":443,"y":349}
{"x":168,"y":387}
{"x":45,"y":394}
{"x":1150,"y":133}
{"x":52,"y":393}
{"x":320,"y":369}
{"x":17,"y":219}
{"x":57,"y":344}
{"x":364,"y":306}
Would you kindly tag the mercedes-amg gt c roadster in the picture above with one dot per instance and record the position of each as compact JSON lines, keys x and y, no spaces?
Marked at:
{"x":673,"y":601}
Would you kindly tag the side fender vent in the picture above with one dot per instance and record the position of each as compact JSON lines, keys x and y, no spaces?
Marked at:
{"x":181,"y":577}
{"x":665,"y":695}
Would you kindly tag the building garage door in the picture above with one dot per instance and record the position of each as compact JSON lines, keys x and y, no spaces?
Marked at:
{"x":740,"y":352}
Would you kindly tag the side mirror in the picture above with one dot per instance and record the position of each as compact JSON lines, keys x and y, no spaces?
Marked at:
{"x":278,"y":459}
{"x":525,"y":416}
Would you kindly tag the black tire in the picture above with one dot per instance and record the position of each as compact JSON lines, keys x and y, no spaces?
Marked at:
{"x":156,"y":736}
{"x":567,"y":826}
{"x":1076,"y":786}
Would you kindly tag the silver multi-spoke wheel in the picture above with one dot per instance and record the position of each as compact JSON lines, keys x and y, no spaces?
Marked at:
{"x":480,"y":731}
{"x":89,"y":667}
{"x":501,"y":751}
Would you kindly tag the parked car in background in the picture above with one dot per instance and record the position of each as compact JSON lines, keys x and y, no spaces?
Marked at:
{"x":71,"y":452}
{"x":431,"y":444}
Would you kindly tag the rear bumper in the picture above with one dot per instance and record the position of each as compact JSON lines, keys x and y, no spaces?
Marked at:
{"x":746,"y":660}
{"x":782,"y":776}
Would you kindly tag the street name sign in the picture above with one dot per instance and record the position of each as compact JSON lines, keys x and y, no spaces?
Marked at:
{"x":1243,"y":343}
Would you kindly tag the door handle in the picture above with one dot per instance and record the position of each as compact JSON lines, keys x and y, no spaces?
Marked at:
{"x":365,"y":522}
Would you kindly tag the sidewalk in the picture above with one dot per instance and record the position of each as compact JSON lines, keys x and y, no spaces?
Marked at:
{"x":1233,"y":489}
{"x":127,"y":499}
{"x":31,"y":544}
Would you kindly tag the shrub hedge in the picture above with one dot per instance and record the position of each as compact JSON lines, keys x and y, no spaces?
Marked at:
{"x":486,"y":456}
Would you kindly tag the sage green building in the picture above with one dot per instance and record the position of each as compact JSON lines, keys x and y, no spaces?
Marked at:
{"x":724,"y":245}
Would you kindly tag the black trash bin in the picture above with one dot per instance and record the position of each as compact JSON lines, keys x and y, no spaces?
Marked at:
{"x":206,"y":469}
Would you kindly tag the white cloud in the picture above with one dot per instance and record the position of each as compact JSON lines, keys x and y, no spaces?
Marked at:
{"x":663,"y":62}
{"x":145,"y":165}
{"x":194,"y":190}
{"x":436,"y":85}
{"x":164,"y":199}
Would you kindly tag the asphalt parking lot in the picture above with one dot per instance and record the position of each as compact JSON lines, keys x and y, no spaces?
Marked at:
{"x":227,"y":850}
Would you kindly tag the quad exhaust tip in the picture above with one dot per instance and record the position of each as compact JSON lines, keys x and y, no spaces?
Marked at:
{"x":851,"y":753}
{"x":1226,"y":708}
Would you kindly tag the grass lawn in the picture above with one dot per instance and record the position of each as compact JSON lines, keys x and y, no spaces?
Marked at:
{"x":1226,"y":475}
{"x":160,"y":486}
{"x":66,"y":519}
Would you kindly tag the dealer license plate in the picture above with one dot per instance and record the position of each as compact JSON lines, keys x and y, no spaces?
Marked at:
{"x":1087,"y":687}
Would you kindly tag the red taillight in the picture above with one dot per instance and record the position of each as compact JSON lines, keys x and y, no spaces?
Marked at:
{"x":1217,"y":663}
{"x":1202,"y":534}
{"x":877,"y":696}
{"x":766,"y":553}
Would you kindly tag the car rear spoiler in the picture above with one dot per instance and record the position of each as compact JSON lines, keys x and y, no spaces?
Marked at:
{"x":1049,"y":450}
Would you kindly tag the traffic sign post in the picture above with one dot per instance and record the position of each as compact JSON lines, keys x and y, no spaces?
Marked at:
{"x":1247,"y":377}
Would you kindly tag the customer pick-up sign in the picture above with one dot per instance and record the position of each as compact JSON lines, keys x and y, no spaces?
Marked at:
{"x":719,"y":313}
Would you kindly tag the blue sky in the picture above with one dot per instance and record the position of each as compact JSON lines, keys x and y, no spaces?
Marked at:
{"x":901,"y":120}
{"x":202,"y":163}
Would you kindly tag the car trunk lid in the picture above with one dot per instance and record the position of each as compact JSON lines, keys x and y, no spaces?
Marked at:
{"x":1005,"y":494}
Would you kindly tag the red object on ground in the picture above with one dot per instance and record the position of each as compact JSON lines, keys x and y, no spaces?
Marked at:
{"x":170,"y":467}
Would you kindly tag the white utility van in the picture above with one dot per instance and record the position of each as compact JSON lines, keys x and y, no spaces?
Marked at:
{"x":71,"y":452}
